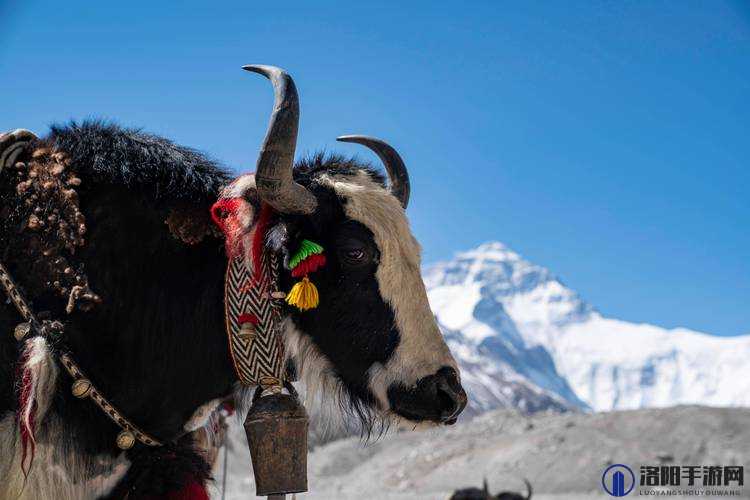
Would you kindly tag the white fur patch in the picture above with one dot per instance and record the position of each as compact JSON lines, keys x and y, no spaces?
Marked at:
{"x":42,"y":371}
{"x":422,"y":350}
{"x":58,"y":470}
{"x":202,"y":415}
{"x":320,"y":388}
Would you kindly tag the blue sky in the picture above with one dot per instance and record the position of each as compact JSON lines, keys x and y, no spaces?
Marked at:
{"x":607,"y":141}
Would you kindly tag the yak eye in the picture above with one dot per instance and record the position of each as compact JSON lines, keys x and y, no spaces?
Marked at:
{"x":355,"y":254}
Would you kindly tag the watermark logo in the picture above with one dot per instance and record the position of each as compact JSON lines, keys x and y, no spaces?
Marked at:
{"x":618,"y":480}
{"x":692,"y":475}
{"x":712,"y":481}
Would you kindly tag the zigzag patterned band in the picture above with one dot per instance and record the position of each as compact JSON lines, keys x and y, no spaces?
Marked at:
{"x":252,"y":305}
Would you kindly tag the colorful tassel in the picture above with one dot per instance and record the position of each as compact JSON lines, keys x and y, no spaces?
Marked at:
{"x":306,"y":249}
{"x":193,"y":490}
{"x":26,"y":412}
{"x":308,"y":259}
{"x":309,"y":265}
{"x":304,"y":295}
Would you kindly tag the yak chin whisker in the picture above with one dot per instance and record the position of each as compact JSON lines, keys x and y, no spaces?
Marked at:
{"x":333,"y":409}
{"x":335,"y":412}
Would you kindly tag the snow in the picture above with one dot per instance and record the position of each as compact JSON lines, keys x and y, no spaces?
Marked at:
{"x":510,"y":320}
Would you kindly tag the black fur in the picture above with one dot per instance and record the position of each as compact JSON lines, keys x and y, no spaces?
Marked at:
{"x":156,"y":346}
{"x":157,"y":168}
{"x":155,"y":471}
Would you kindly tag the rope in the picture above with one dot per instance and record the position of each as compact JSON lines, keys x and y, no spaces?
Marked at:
{"x":82,"y":387}
{"x":224,"y":472}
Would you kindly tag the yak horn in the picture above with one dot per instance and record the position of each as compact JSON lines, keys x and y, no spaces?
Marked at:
{"x":274,"y":172}
{"x":394,"y":165}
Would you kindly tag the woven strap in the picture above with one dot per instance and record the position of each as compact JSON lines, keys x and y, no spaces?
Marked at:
{"x":257,"y":352}
{"x":128,"y":428}
{"x":113,"y":413}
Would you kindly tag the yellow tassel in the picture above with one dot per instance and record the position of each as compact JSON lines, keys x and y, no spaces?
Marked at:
{"x":304,"y":295}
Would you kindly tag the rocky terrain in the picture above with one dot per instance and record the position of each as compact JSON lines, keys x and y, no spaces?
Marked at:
{"x":562,"y":455}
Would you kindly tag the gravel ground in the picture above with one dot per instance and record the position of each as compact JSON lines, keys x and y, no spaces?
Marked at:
{"x":562,"y":455}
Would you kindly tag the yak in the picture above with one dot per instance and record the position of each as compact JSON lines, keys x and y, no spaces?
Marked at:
{"x":484,"y":493}
{"x":107,"y":231}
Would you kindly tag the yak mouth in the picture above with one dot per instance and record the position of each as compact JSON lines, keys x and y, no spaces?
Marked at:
{"x":437,"y":398}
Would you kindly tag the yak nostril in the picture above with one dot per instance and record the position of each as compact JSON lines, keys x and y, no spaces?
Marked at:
{"x":447,"y":400}
{"x":451,"y":396}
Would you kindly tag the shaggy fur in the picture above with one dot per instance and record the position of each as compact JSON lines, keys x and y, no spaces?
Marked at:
{"x":156,"y":167}
{"x":60,"y":470}
{"x":162,"y":313}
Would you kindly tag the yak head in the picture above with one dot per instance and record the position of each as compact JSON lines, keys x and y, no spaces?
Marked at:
{"x":373,"y":338}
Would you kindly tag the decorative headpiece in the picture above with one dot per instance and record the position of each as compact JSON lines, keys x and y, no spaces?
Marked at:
{"x":308,"y":259}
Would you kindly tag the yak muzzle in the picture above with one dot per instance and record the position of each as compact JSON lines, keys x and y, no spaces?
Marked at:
{"x":437,"y":398}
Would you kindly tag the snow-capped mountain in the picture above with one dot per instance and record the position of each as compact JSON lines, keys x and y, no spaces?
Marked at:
{"x":525,"y":340}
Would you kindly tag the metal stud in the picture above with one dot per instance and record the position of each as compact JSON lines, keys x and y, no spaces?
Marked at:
{"x":21,"y":331}
{"x":81,"y":388}
{"x":125,"y":440}
{"x":268,"y":382}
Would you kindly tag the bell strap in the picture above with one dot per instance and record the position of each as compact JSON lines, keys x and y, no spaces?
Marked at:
{"x":82,"y":386}
{"x":11,"y":290}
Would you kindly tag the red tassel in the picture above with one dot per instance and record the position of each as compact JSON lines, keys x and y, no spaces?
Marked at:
{"x":223,"y":209}
{"x":258,"y":238}
{"x":224,"y":215}
{"x":192,"y":491}
{"x":26,"y":413}
{"x":309,"y":265}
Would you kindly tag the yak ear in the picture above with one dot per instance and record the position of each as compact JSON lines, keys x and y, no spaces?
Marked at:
{"x":191,"y":225}
{"x":13,"y":145}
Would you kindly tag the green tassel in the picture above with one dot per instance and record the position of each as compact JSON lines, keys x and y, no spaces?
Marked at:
{"x":306,"y":249}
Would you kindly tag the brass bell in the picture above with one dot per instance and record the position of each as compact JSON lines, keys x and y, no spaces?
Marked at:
{"x":21,"y":331}
{"x":247,"y":331}
{"x":276,"y":429}
{"x":81,"y":388}
{"x":125,"y":440}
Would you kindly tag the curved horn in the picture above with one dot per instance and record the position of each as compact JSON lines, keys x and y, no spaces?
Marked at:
{"x":394,"y":165}
{"x":12,"y":144}
{"x":273,"y":174}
